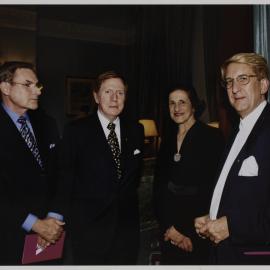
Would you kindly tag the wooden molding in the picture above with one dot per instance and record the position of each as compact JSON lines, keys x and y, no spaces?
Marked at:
{"x":60,"y":29}
{"x":28,"y":20}
{"x":17,"y":19}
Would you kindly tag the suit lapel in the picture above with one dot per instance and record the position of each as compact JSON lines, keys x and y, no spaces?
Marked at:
{"x":124,"y":146}
{"x":38,"y":133}
{"x":256,"y":129}
{"x":100,"y":141}
{"x":105,"y":147}
{"x":245,"y":149}
{"x":226,"y":151}
{"x":251,"y":138}
{"x":127,"y":146}
{"x":130,"y":141}
{"x":12,"y":132}
{"x":222,"y":163}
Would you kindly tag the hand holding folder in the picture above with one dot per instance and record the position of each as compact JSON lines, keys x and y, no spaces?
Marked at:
{"x":49,"y":229}
{"x":32,"y":252}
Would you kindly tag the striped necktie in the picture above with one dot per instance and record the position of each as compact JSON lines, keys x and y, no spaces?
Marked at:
{"x":29,"y":139}
{"x":113,"y":142}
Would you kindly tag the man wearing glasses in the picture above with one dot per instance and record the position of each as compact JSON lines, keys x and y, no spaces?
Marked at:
{"x":27,"y":141}
{"x":238,"y":223}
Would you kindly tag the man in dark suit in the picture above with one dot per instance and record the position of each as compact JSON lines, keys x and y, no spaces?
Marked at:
{"x":239,"y":219}
{"x":27,"y":141}
{"x":100,"y":162}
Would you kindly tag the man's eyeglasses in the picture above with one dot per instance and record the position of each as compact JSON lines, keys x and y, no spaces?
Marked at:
{"x":241,"y":79}
{"x":29,"y":84}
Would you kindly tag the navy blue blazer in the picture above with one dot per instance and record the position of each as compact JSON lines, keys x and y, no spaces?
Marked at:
{"x":95,"y":203}
{"x":246,"y":201}
{"x":24,"y":187}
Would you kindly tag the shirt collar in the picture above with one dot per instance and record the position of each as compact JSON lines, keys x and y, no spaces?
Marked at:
{"x":104,"y":121}
{"x":13,"y":115}
{"x":249,"y":121}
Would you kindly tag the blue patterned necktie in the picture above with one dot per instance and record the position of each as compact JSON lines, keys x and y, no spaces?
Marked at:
{"x":29,"y":139}
{"x":113,"y":142}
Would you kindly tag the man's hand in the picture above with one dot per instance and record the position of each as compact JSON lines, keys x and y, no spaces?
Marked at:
{"x":217,"y":230}
{"x":186,"y":244}
{"x":200,"y":226}
{"x":42,"y":242}
{"x":49,"y":229}
{"x":178,"y":239}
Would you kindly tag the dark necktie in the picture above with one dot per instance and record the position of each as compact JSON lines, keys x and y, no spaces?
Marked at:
{"x":29,"y":139}
{"x":113,"y":142}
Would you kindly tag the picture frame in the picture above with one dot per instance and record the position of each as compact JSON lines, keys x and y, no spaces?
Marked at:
{"x":79,"y":97}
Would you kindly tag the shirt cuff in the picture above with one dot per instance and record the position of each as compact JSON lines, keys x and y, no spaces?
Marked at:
{"x":29,"y":222}
{"x":55,"y":215}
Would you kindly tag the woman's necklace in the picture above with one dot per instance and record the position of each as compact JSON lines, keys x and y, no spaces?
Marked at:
{"x":180,"y":138}
{"x":177,"y":156}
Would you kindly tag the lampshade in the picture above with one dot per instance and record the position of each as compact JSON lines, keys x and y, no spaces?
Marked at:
{"x":150,"y":129}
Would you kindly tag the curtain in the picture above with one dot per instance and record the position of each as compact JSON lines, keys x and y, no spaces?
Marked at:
{"x":262,"y":31}
{"x":211,"y":28}
{"x":161,"y":56}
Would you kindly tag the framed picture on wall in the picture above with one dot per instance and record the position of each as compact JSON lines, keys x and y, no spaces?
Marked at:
{"x":79,"y":97}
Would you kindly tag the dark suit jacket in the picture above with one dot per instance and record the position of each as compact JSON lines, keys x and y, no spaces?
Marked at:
{"x":95,"y":203}
{"x":246,"y":201}
{"x":24,"y":187}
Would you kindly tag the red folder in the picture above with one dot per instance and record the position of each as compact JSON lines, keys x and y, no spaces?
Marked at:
{"x":32,"y":253}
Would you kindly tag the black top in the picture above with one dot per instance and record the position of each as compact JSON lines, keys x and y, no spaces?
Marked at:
{"x":182,"y":189}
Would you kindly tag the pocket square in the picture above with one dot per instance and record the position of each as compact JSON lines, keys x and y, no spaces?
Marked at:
{"x":52,"y":145}
{"x":249,"y":167}
{"x":136,"y":152}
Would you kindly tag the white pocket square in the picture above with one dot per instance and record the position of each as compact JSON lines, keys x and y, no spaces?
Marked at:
{"x":52,"y":145}
{"x":249,"y":167}
{"x":136,"y":152}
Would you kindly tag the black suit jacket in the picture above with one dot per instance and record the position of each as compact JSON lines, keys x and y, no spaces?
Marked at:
{"x":24,"y":187}
{"x":95,"y":203}
{"x":246,"y":201}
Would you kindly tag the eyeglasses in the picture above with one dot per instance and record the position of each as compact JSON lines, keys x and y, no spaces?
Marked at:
{"x":241,"y":79}
{"x":29,"y":84}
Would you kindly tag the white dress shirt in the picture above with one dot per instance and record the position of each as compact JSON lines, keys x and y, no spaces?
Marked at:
{"x":104,"y":123}
{"x":245,"y":127}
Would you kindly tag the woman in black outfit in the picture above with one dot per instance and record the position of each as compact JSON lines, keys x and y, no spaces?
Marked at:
{"x":186,"y":166}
